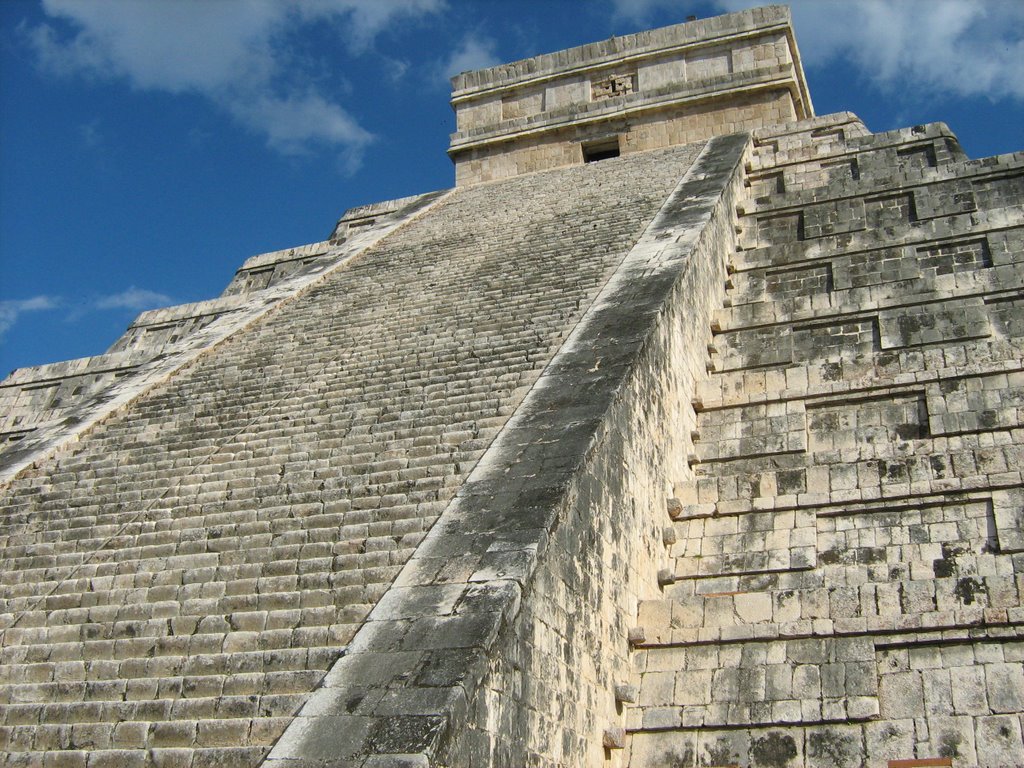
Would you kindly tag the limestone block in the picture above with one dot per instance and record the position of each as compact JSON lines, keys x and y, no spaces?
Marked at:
{"x":1008,"y":512}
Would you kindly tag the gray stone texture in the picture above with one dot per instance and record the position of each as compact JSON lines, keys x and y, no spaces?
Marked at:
{"x":856,"y":468}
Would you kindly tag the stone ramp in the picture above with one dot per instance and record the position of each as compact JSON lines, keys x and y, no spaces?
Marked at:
{"x":177,"y":580}
{"x":844,"y":586}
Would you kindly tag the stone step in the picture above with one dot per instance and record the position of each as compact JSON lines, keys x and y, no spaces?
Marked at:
{"x":900,"y":368}
{"x":222,"y":757}
{"x":976,"y":460}
{"x":832,"y":136}
{"x":99,"y":703}
{"x":873,"y":278}
{"x":237,"y":734}
{"x":807,"y":695}
{"x":380,"y":553}
{"x":222,"y":615}
{"x":999,"y":226}
{"x":275,"y":629}
{"x":926,"y":179}
{"x":884,"y":216}
{"x":757,"y":683}
{"x":281,"y":660}
{"x":240,"y":687}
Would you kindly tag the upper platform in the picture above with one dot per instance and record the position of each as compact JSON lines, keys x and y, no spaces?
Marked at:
{"x":652,"y":89}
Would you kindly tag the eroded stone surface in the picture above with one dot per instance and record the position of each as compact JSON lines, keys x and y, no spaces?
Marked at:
{"x":857,"y":471}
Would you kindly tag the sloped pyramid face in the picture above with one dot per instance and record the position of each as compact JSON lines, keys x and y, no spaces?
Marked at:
{"x":183,"y":575}
{"x":701,"y":455}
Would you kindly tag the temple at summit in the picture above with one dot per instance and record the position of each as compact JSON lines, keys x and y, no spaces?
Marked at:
{"x":686,"y":430}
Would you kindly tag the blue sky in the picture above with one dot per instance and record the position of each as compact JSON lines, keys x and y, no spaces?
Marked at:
{"x":148,"y":148}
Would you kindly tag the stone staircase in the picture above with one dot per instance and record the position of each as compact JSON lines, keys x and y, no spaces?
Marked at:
{"x":45,"y":406}
{"x":179,"y":577}
{"x":845,"y":570}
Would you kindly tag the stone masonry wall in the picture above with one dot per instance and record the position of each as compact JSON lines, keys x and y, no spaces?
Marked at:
{"x":847,"y":579}
{"x":699,"y":121}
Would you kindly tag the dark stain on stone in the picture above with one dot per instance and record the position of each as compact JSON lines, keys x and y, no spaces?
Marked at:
{"x":967,"y":589}
{"x":404,"y":733}
{"x":946,"y":566}
{"x":909,"y":431}
{"x":831,"y":556}
{"x":831,"y":371}
{"x":684,"y":759}
{"x":829,"y":744}
{"x":352,"y":702}
{"x":988,"y":419}
{"x":953,"y":550}
{"x":720,"y":753}
{"x":791,"y":481}
{"x":949,"y":745}
{"x":892,"y":472}
{"x":869,"y":555}
{"x":774,"y":750}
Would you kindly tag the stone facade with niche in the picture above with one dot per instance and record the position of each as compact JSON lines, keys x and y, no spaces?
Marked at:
{"x":696,"y":80}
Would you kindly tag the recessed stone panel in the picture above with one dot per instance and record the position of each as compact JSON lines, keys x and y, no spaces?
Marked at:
{"x":976,"y":403}
{"x":840,"y":339}
{"x":859,"y":423}
{"x":833,"y":218}
{"x":933,"y":324}
{"x":888,"y":212}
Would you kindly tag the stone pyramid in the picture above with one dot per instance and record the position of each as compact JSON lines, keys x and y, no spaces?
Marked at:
{"x":686,"y":430}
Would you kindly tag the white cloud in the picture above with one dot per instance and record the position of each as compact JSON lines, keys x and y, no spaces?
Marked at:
{"x":933,"y":47}
{"x":368,"y":18}
{"x":169,"y":46}
{"x":294,"y":122}
{"x":958,"y":47}
{"x":474,"y":52}
{"x":137,"y":299}
{"x":233,"y":52}
{"x":10,"y":309}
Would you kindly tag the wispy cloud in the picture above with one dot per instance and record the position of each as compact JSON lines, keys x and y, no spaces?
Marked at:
{"x":233,"y":52}
{"x":929,"y":47}
{"x":641,"y":10}
{"x":90,"y":133}
{"x":474,"y":52}
{"x":11,"y":309}
{"x":133,"y":298}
